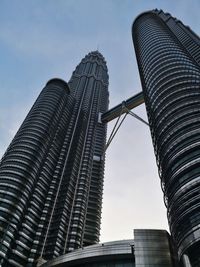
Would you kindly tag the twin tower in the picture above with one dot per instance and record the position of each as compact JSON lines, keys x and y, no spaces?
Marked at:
{"x":51,"y":175}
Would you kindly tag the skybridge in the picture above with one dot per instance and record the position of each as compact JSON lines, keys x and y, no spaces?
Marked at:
{"x":123,"y":108}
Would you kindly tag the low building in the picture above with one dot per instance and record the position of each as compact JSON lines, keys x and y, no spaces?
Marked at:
{"x":149,"y":248}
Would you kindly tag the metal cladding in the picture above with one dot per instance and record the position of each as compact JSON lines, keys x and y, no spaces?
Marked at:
{"x":168,"y":55}
{"x":29,"y":173}
{"x":51,"y":176}
{"x":89,"y":85}
{"x":153,"y":248}
{"x":112,"y":254}
{"x":148,"y":248}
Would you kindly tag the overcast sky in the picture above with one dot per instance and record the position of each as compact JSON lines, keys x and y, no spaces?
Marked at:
{"x":40,"y":40}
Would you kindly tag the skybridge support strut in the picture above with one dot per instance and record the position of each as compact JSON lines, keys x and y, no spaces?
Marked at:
{"x":118,"y":110}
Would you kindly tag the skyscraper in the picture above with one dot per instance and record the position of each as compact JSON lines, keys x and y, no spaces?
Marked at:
{"x":168,"y":55}
{"x":51,"y":176}
{"x":89,"y":85}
